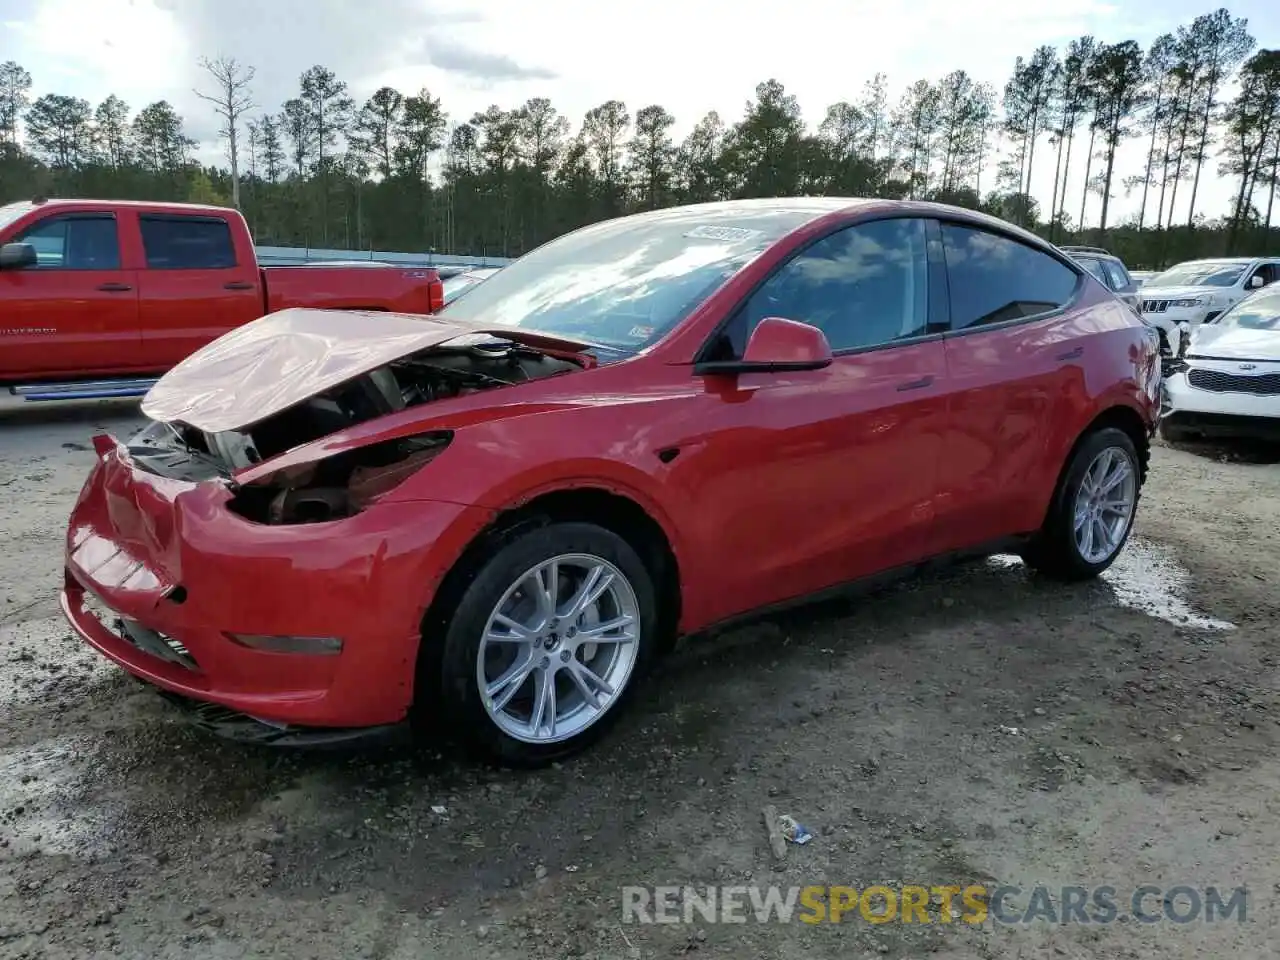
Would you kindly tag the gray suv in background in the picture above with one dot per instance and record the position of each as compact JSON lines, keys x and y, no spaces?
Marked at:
{"x":1108,"y":270}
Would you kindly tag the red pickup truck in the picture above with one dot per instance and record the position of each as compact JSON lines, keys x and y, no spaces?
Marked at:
{"x":112,"y":291}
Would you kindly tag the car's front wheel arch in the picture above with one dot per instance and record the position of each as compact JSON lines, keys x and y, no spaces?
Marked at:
{"x":602,"y":508}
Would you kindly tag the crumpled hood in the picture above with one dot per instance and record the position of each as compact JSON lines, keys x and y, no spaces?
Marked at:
{"x":266,"y":366}
{"x":1234,"y":343}
{"x":1177,"y":293}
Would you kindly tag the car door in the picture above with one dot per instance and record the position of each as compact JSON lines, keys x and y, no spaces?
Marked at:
{"x":76,"y":311}
{"x":193,"y":289}
{"x":814,"y":478}
{"x":1014,"y":354}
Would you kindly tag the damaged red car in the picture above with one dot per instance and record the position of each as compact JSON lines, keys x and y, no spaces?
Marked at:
{"x":500,"y":515}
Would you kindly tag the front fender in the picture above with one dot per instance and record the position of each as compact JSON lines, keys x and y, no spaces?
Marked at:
{"x":477,"y":475}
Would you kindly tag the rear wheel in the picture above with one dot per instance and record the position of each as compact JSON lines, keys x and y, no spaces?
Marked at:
{"x":1093,"y":510}
{"x":548,"y":643}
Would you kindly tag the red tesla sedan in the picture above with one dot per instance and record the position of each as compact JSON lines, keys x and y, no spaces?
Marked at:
{"x":501,"y":513}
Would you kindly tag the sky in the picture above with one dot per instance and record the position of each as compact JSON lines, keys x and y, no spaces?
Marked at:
{"x":691,"y":56}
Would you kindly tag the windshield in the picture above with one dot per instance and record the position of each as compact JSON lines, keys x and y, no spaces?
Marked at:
{"x":1259,"y":312}
{"x":11,"y":212}
{"x":1206,"y":274}
{"x":625,"y":283}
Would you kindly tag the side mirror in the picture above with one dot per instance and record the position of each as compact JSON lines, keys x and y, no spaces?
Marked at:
{"x":777,"y":345}
{"x":17,"y":256}
{"x":1257,"y":281}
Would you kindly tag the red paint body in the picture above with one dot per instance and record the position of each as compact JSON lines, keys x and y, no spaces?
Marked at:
{"x":786,"y":484}
{"x":61,"y":324}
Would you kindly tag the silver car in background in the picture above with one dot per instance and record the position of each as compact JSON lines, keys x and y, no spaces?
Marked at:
{"x":1107,"y":269}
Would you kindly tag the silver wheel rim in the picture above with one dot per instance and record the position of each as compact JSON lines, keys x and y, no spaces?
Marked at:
{"x":1104,"y":505}
{"x":558,"y":648}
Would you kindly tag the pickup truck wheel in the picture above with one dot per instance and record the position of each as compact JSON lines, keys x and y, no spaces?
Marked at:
{"x":1093,"y":509}
{"x":548,"y":643}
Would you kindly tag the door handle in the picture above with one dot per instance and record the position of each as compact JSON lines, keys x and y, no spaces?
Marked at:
{"x":1075,"y":354}
{"x":114,"y":287}
{"x":915,"y":384}
{"x":237,"y":285}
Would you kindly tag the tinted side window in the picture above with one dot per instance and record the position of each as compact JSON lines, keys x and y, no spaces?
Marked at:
{"x":187,"y":243}
{"x":1095,"y":268}
{"x":994,"y":279}
{"x":863,"y":286}
{"x":1268,"y":272}
{"x":75,"y":243}
{"x":1119,"y":278}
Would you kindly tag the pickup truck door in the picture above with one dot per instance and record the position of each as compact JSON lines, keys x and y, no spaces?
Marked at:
{"x":197,"y":284}
{"x":76,"y":310}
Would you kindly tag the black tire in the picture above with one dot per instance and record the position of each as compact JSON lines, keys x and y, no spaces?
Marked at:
{"x":1054,"y":552}
{"x":456,"y":652}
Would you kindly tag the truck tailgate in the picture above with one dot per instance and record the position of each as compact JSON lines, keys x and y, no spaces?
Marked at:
{"x":397,"y":289}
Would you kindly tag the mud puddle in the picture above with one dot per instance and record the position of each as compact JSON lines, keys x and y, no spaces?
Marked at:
{"x":1148,"y":577}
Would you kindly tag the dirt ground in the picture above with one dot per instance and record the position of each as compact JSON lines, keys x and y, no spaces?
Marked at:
{"x":977,"y":726}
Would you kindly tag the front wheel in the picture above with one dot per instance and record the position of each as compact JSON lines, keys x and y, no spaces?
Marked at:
{"x":548,"y":643}
{"x":1093,"y":510}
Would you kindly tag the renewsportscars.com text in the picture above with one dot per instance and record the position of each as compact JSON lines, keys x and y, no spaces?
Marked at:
{"x":972,"y":904}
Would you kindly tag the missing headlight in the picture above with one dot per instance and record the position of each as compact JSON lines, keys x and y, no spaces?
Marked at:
{"x":339,"y":486}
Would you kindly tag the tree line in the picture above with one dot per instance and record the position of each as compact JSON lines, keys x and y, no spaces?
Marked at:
{"x":395,"y":172}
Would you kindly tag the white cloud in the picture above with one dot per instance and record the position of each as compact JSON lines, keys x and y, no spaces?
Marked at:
{"x":689,"y":55}
{"x":90,"y":48}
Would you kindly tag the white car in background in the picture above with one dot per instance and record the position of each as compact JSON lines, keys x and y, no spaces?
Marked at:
{"x":1191,"y":293}
{"x":1228,"y":384}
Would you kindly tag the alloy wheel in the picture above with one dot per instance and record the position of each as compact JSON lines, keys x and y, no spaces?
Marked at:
{"x":1104,"y":505}
{"x":559,"y":648}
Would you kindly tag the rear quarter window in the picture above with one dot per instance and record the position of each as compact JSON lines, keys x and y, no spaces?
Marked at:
{"x":995,"y":279}
{"x":187,"y":243}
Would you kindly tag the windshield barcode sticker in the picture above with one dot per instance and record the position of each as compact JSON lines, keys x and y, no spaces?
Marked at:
{"x":724,"y":233}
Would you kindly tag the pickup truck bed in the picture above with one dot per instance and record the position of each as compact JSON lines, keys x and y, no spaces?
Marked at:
{"x":117,"y":291}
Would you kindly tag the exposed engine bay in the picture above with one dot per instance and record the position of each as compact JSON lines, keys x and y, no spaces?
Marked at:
{"x":342,"y":484}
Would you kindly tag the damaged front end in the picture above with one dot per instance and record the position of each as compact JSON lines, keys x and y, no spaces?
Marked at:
{"x":342,"y":483}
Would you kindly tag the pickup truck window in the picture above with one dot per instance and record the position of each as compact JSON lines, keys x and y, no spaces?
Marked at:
{"x":187,"y":243}
{"x":75,"y":242}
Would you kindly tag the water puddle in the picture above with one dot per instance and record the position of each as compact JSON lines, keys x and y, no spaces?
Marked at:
{"x":41,"y":657}
{"x":1147,"y":577}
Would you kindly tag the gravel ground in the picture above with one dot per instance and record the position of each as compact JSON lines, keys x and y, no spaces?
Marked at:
{"x":976,"y":726}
